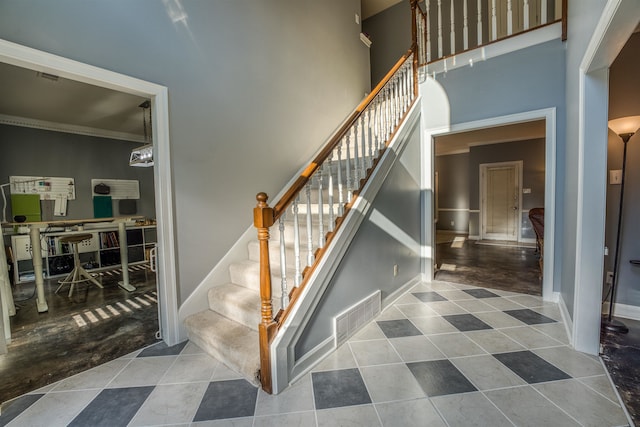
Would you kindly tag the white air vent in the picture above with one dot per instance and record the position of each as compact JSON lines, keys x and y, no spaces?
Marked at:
{"x":355,"y":317}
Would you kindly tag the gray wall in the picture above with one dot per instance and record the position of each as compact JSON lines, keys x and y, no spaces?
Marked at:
{"x":368,"y":264}
{"x":624,"y":100}
{"x":390,"y":32}
{"x":453,"y":192}
{"x":254,"y":90}
{"x":459,"y":182}
{"x":35,"y":152}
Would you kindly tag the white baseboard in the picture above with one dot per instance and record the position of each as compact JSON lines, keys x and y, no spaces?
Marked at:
{"x":473,"y":237}
{"x":623,"y":310}
{"x":566,"y":318}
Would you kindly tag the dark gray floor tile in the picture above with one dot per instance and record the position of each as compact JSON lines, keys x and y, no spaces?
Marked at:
{"x":466,"y":322}
{"x":480,"y":293}
{"x":12,"y":409}
{"x":227,"y":399}
{"x":398,"y":328}
{"x":440,"y":377}
{"x":113,"y":407}
{"x":529,"y":317}
{"x":333,"y":389}
{"x":161,"y":349}
{"x":531,"y":367}
{"x":428,"y":296}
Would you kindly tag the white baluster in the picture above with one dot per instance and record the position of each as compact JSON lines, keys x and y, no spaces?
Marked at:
{"x":332,"y":215}
{"x":428,"y":24}
{"x":367,"y":134}
{"x":357,"y":141}
{"x":494,"y":20}
{"x":525,"y":11}
{"x":296,"y":243}
{"x":509,"y":17}
{"x":340,"y":187}
{"x":453,"y":30}
{"x":310,"y":257}
{"x":321,"y":237}
{"x":283,"y":265}
{"x":479,"y":23}
{"x":465,"y":26}
{"x":439,"y":29}
{"x":348,"y":164}
{"x":543,"y":11}
{"x":363,"y":147}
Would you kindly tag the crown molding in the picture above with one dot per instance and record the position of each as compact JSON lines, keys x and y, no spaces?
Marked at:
{"x":68,"y":128}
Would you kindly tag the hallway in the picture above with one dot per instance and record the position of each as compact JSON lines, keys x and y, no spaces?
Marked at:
{"x":443,"y":354}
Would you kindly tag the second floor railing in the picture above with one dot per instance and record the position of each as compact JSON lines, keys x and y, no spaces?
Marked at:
{"x":304,"y":220}
{"x":449,"y":27}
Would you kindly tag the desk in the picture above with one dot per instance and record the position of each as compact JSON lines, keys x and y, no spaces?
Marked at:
{"x":36,"y":254}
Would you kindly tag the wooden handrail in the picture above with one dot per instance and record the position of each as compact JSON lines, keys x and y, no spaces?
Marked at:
{"x":302,"y":180}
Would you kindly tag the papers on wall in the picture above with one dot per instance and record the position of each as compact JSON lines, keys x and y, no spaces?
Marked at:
{"x":119,"y":188}
{"x":47,"y":187}
{"x":60,"y":206}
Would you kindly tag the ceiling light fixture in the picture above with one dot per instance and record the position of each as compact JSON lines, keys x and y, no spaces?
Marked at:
{"x":143,"y":156}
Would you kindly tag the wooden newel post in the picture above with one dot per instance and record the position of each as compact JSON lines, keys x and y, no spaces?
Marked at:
{"x":262,"y":220}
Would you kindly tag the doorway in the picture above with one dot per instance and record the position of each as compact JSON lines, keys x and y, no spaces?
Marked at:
{"x":500,"y":201}
{"x":31,"y":59}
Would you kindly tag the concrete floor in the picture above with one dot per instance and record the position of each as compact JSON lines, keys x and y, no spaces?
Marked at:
{"x":92,"y":327}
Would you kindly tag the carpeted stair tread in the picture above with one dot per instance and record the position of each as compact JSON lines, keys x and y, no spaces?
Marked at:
{"x":247,"y":274}
{"x":231,"y":343}
{"x":239,"y":304}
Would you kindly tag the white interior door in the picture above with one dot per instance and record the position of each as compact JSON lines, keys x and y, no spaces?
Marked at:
{"x":500,"y":200}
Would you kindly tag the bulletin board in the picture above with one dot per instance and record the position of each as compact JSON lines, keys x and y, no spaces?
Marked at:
{"x":119,"y":188}
{"x":47,"y":187}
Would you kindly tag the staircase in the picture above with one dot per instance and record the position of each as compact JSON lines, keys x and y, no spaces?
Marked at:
{"x":228,"y":330}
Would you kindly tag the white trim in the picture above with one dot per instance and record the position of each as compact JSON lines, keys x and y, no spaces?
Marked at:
{"x":474,"y":211}
{"x":549,"y":115}
{"x":617,"y":22}
{"x":26,"y":57}
{"x":625,"y":311}
{"x":452,"y":210}
{"x":67,"y":128}
{"x":566,"y":317}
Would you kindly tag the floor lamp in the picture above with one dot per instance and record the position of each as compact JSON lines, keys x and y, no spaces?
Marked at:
{"x":625,"y":128}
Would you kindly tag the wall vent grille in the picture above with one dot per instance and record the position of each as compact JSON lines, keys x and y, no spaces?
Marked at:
{"x":355,"y":317}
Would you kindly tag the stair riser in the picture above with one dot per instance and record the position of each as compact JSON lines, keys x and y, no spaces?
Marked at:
{"x":244,"y":311}
{"x":274,"y":255}
{"x":250,"y":278}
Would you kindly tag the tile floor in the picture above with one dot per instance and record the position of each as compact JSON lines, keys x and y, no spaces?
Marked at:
{"x":443,"y":355}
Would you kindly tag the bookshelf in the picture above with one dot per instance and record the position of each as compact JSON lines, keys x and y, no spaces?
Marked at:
{"x":100,"y":252}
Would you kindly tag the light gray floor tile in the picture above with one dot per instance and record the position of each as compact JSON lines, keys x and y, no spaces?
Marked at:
{"x":528,"y":300}
{"x":456,"y":295}
{"x":527,"y":408}
{"x":300,"y":419}
{"x":223,"y":372}
{"x":498,"y":319}
{"x":551,"y":311}
{"x":445,"y":308}
{"x":407,"y":298}
{"x":418,"y":412}
{"x":433,"y":325}
{"x":475,"y":305}
{"x":530,"y":338}
{"x":229,"y":422}
{"x":469,"y":409}
{"x":456,"y":345}
{"x":342,"y":358}
{"x":503,"y":303}
{"x":370,"y":332}
{"x":416,"y":310}
{"x":192,"y":348}
{"x":170,"y":404}
{"x":391,"y":313}
{"x":572,"y":362}
{"x":415,"y":349}
{"x":391,"y":382}
{"x":493,"y":341}
{"x":296,"y":398}
{"x":583,"y":404}
{"x":421,"y":287}
{"x":556,"y":331}
{"x":55,"y":409}
{"x":376,"y":352}
{"x":143,"y":371}
{"x":462,"y":286}
{"x":486,"y":373}
{"x":348,"y":416}
{"x":97,"y":377}
{"x":442,"y":286}
{"x":190,"y":368}
{"x":601,"y":384}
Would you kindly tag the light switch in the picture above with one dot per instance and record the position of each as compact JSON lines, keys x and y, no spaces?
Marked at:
{"x":357,"y":19}
{"x":615,"y":176}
